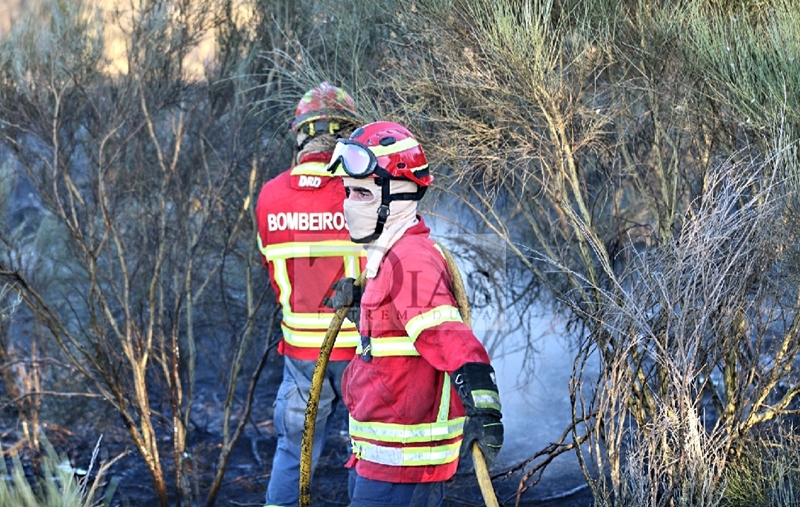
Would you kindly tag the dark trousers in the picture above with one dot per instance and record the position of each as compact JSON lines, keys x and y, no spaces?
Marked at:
{"x":369,"y":493}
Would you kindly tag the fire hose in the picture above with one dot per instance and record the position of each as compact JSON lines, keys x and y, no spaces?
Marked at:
{"x":481,"y":470}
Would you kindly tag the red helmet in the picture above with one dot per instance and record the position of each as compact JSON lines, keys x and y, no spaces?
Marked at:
{"x":325,"y":102}
{"x":390,"y":148}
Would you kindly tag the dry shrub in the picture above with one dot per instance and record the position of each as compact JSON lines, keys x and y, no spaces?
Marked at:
{"x":584,"y":136}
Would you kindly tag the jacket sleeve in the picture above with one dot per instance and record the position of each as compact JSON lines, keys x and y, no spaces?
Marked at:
{"x":422,"y":293}
{"x":449,"y":346}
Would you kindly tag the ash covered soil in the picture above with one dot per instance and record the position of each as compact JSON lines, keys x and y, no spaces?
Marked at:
{"x":249,"y":466}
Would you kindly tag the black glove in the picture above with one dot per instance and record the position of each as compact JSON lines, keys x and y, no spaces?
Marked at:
{"x":487,"y":431}
{"x":477,"y":389}
{"x":346,"y":294}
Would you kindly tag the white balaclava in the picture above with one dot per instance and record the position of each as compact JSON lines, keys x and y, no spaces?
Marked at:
{"x":362,"y":218}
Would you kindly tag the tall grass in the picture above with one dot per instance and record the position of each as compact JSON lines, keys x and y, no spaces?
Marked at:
{"x":749,"y":60}
{"x":767,"y":472}
{"x":58,"y":484}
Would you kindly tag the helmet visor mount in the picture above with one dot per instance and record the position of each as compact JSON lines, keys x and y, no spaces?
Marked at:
{"x":357,"y":160}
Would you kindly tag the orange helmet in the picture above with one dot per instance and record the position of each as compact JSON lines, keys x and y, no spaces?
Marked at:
{"x":322,"y":108}
{"x":381,"y":149}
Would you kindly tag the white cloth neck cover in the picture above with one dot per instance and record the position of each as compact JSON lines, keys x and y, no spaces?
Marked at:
{"x":362,"y":218}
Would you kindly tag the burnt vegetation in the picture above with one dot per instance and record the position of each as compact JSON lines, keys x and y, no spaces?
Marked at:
{"x":635,"y":161}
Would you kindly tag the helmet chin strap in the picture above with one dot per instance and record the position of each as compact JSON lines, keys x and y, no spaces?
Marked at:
{"x":384,"y":181}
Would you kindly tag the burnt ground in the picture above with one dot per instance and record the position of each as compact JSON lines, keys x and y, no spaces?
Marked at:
{"x":249,"y":466}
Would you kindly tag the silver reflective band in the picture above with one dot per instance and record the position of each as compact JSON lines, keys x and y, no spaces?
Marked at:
{"x":407,"y":456}
{"x":486,"y":399}
{"x":408,"y":433}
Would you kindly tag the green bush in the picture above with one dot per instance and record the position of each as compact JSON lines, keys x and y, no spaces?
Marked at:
{"x":766,"y":474}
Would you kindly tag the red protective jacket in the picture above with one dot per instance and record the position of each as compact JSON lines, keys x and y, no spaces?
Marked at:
{"x":306,"y":246}
{"x":406,"y":419}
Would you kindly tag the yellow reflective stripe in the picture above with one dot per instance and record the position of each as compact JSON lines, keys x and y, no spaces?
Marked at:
{"x":432,"y":318}
{"x":312,"y":169}
{"x":307,"y":320}
{"x":352,"y":266}
{"x":283,"y":282}
{"x":311,"y":320}
{"x":444,"y":405}
{"x":347,"y":339}
{"x":279,"y":253}
{"x":297,"y":249}
{"x":405,"y":144}
{"x":391,"y":346}
{"x":406,"y":456}
{"x":406,"y":433}
{"x":313,"y":339}
{"x":485,"y":398}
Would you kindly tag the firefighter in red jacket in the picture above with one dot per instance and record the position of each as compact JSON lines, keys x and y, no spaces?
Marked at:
{"x":305,"y":245}
{"x":420,"y":390}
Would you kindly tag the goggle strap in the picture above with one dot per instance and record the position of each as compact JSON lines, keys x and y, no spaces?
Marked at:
{"x":385,"y":176}
{"x":421,"y":173}
{"x":383,"y":211}
{"x":410,"y":196}
{"x":386,"y":200}
{"x":383,"y":214}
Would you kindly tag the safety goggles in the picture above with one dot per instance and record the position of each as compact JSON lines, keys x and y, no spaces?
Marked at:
{"x":357,"y":160}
